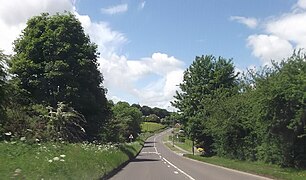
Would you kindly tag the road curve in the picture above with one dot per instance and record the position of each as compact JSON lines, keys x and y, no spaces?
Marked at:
{"x":157,"y":162}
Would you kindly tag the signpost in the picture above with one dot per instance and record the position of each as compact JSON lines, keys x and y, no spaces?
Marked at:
{"x":131,"y":137}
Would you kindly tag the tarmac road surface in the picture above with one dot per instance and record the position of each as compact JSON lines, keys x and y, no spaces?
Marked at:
{"x":157,"y":162}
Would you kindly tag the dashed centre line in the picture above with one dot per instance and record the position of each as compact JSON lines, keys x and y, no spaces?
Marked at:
{"x":170,"y":164}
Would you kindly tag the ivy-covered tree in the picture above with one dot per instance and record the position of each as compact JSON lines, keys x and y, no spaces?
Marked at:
{"x":56,"y":62}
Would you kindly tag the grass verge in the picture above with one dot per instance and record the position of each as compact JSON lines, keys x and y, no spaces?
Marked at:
{"x":62,"y":161}
{"x":260,"y":168}
{"x":20,"y":160}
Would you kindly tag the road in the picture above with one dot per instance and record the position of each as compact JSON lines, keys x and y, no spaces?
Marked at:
{"x":157,"y":162}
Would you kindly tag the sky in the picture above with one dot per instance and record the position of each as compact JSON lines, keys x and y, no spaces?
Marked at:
{"x":146,"y":45}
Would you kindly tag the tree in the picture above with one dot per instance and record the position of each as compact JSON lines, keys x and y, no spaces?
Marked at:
{"x":146,"y":110}
{"x":3,"y":59}
{"x":205,"y":83}
{"x":56,"y":62}
{"x":282,"y":104}
{"x":128,"y":119}
{"x":152,"y":118}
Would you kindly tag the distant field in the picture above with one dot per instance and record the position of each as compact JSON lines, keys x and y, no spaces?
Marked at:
{"x":151,"y":127}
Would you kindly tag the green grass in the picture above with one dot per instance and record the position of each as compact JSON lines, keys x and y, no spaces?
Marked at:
{"x":259,"y":168}
{"x":151,"y":127}
{"x":81,"y":161}
{"x":187,"y":145}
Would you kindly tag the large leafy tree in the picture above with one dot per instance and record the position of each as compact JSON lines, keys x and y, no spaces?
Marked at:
{"x":282,"y":103}
{"x":206,"y":81}
{"x":127,"y":119}
{"x":56,"y":62}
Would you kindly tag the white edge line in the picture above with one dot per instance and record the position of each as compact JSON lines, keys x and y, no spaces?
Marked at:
{"x":191,"y":178}
{"x":178,"y":169}
{"x":233,"y":170}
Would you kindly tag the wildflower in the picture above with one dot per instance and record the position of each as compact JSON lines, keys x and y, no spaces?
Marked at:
{"x":56,"y":158}
{"x":37,"y":140}
{"x":62,"y":155}
{"x":62,"y":160}
{"x":18,"y":171}
{"x":8,"y":133}
{"x":50,"y":161}
{"x":22,"y":139}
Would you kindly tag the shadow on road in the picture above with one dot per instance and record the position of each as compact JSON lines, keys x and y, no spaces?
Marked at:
{"x":149,"y":142}
{"x":146,"y":146}
{"x":144,"y":160}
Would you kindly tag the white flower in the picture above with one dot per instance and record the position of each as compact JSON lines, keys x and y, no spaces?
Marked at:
{"x":37,"y":140}
{"x":50,"y":161}
{"x":8,"y":133}
{"x":22,"y":139}
{"x":18,"y":171}
{"x":62,"y":160}
{"x":56,"y":158}
{"x":62,"y":155}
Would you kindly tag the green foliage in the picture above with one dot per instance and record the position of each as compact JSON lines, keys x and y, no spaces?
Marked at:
{"x":65,"y":124}
{"x":282,"y":104}
{"x":260,"y":116}
{"x":127,"y":120}
{"x":205,"y":83}
{"x":56,"y":62}
{"x":152,"y":118}
{"x":3,"y":60}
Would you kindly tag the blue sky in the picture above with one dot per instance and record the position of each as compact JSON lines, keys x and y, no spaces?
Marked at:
{"x":146,"y":45}
{"x":185,"y":29}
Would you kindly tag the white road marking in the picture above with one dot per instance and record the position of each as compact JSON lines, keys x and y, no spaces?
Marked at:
{"x":165,"y":160}
{"x":191,"y":178}
{"x":168,"y":166}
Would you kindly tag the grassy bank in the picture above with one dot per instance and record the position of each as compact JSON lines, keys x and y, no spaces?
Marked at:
{"x":62,"y":161}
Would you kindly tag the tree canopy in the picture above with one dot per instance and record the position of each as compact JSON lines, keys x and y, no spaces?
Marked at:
{"x":56,"y":62}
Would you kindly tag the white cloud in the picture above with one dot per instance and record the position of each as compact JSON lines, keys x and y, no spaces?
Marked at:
{"x":291,"y":27}
{"x":15,"y":13}
{"x":120,"y":73}
{"x":281,"y":35}
{"x":121,"y":8}
{"x":269,"y":47}
{"x":301,"y":4}
{"x":141,"y":5}
{"x":108,"y":40}
{"x":250,"y":22}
